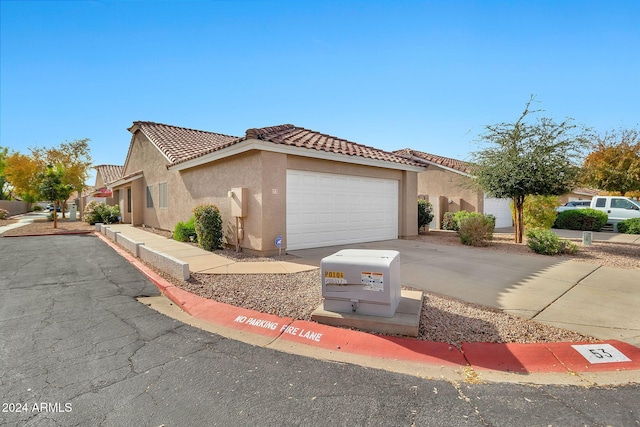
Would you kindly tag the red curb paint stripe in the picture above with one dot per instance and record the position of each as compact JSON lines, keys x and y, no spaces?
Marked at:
{"x":366,"y":344}
{"x":66,"y":233}
{"x":574,"y":361}
{"x":519,"y":358}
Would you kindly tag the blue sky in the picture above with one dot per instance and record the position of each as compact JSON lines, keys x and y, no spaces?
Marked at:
{"x":428,"y":75}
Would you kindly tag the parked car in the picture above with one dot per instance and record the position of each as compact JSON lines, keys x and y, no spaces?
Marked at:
{"x":50,"y":207}
{"x":617,"y":208}
{"x":574,"y":204}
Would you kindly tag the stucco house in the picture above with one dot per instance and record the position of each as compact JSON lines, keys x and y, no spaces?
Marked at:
{"x":447,"y":184}
{"x":306,"y":187}
{"x":101,"y":190}
{"x":578,"y":194}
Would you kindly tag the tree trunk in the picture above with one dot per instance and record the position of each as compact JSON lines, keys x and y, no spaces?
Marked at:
{"x":518,"y":203}
{"x":55,"y":214}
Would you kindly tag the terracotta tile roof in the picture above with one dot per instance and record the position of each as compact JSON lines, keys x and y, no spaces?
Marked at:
{"x":586,"y":191}
{"x":181,"y":144}
{"x":110,"y":173}
{"x":294,"y":136}
{"x":448,"y":162}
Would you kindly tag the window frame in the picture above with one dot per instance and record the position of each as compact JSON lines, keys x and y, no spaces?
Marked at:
{"x":163,"y":195}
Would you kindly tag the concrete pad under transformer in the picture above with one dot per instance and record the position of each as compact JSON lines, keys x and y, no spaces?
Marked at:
{"x":405,"y":321}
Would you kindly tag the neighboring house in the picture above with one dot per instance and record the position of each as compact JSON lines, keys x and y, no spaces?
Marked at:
{"x":308,"y":188}
{"x":102,"y":191}
{"x":578,"y":194}
{"x":447,"y":184}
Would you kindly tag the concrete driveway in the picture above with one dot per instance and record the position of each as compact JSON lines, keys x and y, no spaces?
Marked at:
{"x":597,"y":301}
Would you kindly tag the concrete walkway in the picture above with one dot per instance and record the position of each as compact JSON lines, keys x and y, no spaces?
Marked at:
{"x":24,"y":219}
{"x":201,"y":261}
{"x":587,"y":298}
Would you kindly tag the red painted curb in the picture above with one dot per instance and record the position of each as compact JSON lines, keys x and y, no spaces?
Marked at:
{"x":550,"y":357}
{"x":519,"y":358}
{"x":366,"y":344}
{"x":507,"y":357}
{"x":66,"y":233}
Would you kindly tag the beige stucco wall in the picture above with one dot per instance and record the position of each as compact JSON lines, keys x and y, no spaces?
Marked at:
{"x":453,"y":186}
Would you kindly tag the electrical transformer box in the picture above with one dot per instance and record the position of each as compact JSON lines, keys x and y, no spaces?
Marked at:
{"x":361,"y":281}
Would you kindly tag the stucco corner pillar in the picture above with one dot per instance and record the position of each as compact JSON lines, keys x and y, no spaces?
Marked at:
{"x":274,"y":200}
{"x":408,"y":209}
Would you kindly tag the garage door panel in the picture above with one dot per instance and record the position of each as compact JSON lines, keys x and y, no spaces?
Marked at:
{"x":327,"y":209}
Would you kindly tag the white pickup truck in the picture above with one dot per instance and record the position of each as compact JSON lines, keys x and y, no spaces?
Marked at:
{"x":617,"y":208}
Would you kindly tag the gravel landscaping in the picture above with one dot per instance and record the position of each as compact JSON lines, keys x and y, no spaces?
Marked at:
{"x":443,"y":319}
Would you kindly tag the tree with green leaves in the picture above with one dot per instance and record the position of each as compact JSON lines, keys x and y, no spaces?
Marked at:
{"x":75,"y":159}
{"x":4,"y":184}
{"x":54,"y":188}
{"x":22,"y":172}
{"x":529,"y":157}
{"x":614,"y":162}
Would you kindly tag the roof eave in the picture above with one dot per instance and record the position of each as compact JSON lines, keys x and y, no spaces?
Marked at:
{"x":256,"y":144}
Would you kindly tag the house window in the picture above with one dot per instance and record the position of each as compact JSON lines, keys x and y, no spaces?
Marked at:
{"x":129,"y":200}
{"x":164,"y":200}
{"x":150,"y":196}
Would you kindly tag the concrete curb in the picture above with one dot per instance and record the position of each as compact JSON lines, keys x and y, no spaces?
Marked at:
{"x":565,"y":361}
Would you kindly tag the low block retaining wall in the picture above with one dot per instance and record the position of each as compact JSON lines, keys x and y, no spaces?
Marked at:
{"x":173,"y":266}
{"x":168,"y":264}
{"x":128,"y":244}
{"x":111,"y":234}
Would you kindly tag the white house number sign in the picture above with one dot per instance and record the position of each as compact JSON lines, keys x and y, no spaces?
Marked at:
{"x":601,"y":353}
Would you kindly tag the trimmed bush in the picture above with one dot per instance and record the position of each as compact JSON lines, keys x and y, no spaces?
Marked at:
{"x":425,"y":213}
{"x":540,"y":211}
{"x":101,"y":212}
{"x":476,"y":229}
{"x":546,"y":242}
{"x":448,"y":223}
{"x":37,"y":208}
{"x":208,"y":225}
{"x":4,"y":213}
{"x":581,"y":219}
{"x":629,"y":226}
{"x":186,"y":231}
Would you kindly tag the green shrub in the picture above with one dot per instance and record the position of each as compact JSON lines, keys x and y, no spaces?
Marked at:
{"x":208,"y":225}
{"x":4,"y":213}
{"x":581,"y":219}
{"x":425,"y":213}
{"x":546,"y":242}
{"x":629,"y":226}
{"x":101,"y":212}
{"x":540,"y":211}
{"x":476,"y":229}
{"x":448,"y":223}
{"x":185,"y":231}
{"x":37,"y":208}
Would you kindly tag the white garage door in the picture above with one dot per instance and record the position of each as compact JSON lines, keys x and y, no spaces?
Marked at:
{"x":327,"y":209}
{"x":501,"y":209}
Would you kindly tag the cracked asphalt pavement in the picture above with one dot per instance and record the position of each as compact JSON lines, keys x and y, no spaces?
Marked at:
{"x":77,"y":349}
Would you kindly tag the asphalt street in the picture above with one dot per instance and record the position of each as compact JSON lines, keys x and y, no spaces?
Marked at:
{"x":78,"y":349}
